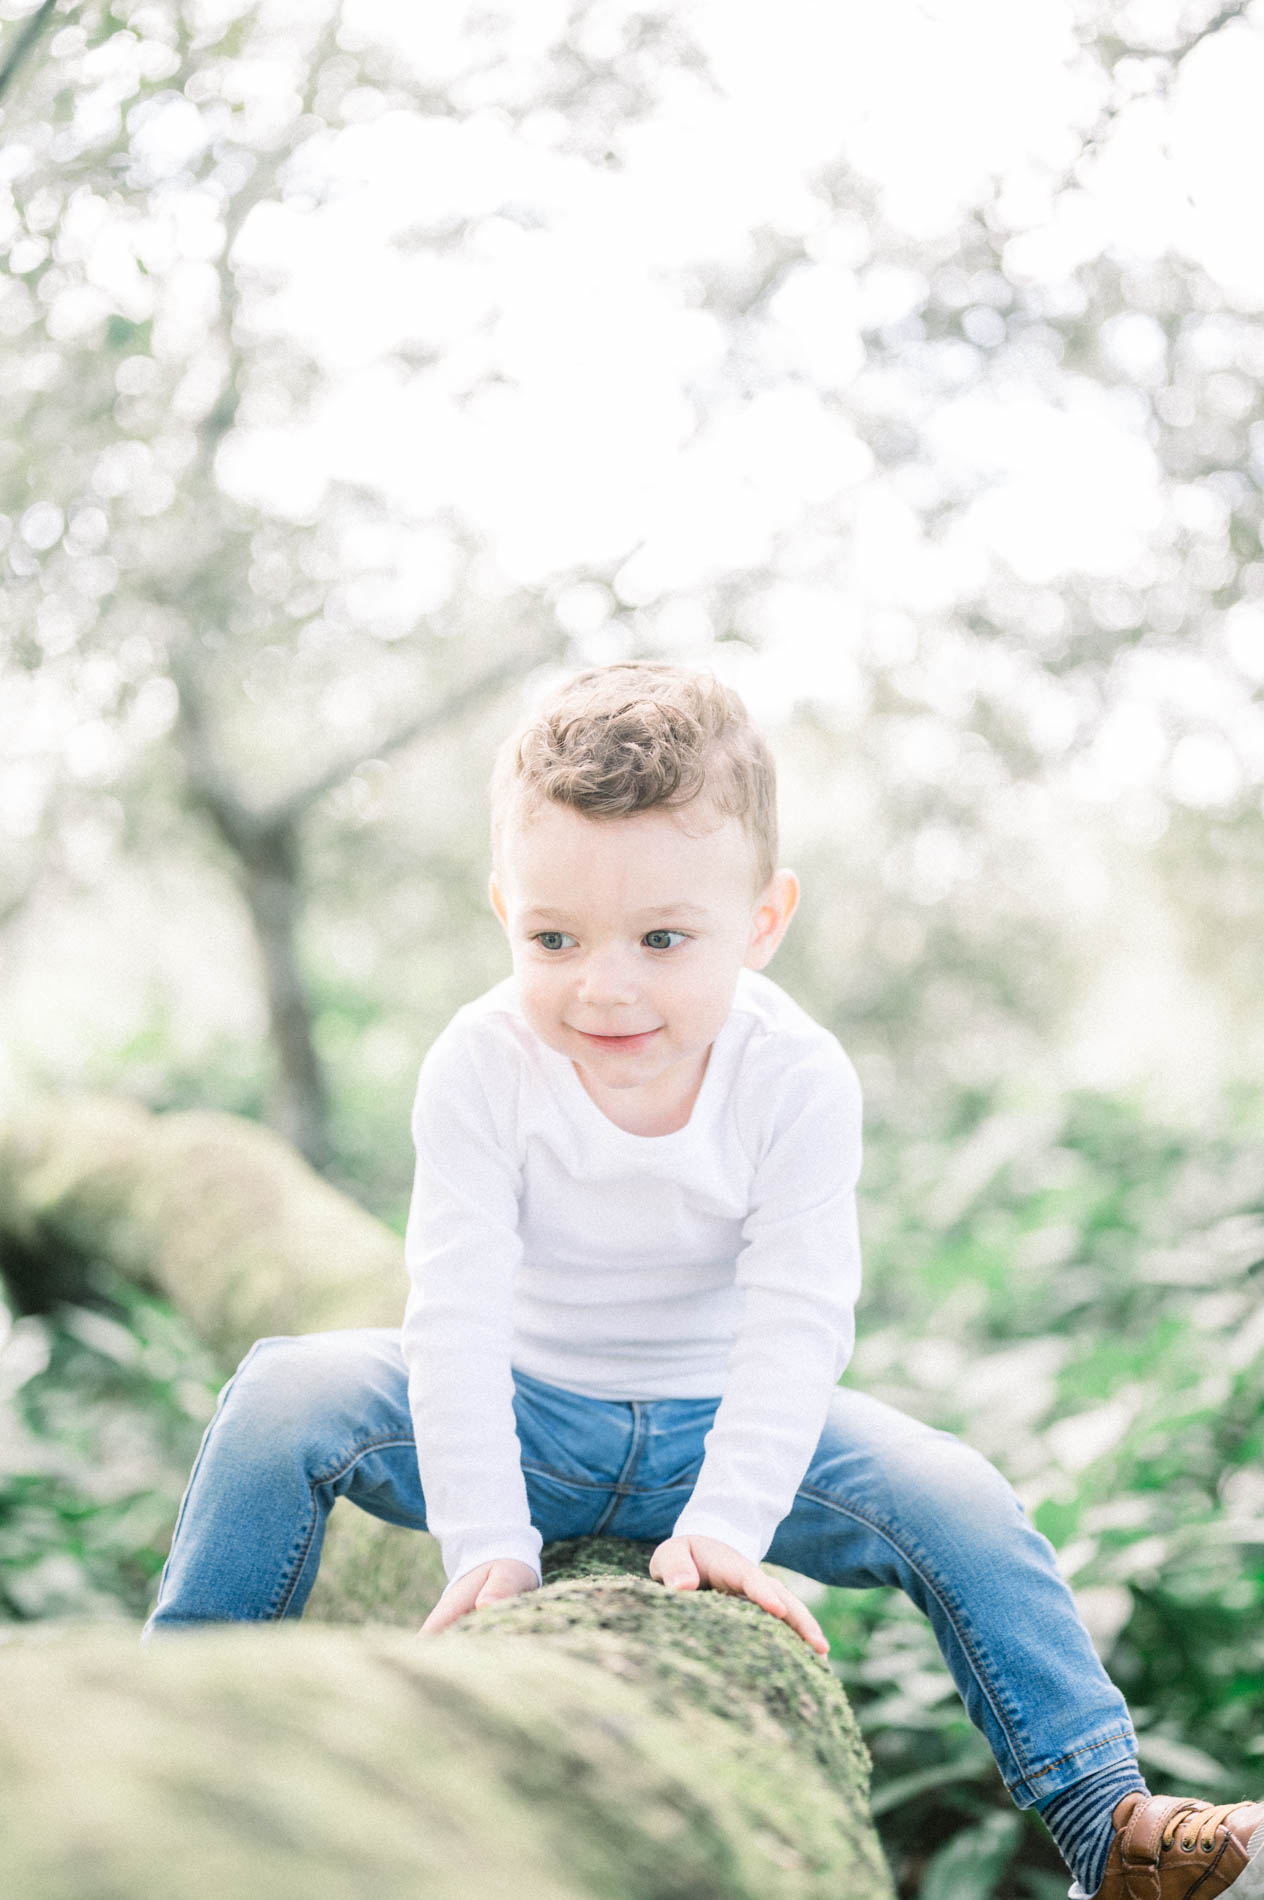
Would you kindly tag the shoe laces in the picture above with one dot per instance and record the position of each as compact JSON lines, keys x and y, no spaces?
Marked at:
{"x":1198,"y":1824}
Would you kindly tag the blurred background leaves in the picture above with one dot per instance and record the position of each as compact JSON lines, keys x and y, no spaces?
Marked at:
{"x":361,"y":370}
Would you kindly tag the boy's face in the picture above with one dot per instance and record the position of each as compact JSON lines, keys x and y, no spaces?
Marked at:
{"x":627,"y":937}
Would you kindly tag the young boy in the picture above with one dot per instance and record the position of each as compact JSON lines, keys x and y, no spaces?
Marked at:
{"x":633,"y":1261}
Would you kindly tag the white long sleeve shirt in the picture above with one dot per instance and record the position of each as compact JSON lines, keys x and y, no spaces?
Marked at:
{"x":718,"y":1261}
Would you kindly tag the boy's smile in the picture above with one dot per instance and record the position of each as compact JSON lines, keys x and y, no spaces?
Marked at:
{"x":638,"y":1039}
{"x":627,"y":937}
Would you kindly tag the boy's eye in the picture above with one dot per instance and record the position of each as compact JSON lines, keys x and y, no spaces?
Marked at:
{"x":662,"y":939}
{"x":553,"y":939}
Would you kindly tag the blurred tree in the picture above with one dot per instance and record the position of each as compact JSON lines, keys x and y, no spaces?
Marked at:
{"x":155,"y":136}
{"x":267,"y":843}
{"x":851,"y":389}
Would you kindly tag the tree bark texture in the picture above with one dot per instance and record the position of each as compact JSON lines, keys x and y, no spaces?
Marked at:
{"x":271,"y":869}
{"x":599,"y":1739}
{"x":267,"y":850}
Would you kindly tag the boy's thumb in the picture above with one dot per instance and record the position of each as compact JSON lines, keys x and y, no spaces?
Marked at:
{"x":682,"y":1575}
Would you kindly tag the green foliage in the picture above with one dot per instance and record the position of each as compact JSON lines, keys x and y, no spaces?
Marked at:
{"x":1078,"y":1296}
{"x":971,"y":1864}
{"x":155,"y":1065}
{"x":100,"y":1415}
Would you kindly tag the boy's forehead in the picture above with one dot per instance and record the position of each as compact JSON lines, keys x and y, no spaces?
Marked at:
{"x":672,"y":854}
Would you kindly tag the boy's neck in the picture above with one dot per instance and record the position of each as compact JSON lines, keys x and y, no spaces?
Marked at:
{"x":659,"y":1108}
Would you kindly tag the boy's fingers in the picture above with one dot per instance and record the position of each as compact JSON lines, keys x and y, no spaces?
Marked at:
{"x":452,"y":1605}
{"x":672,"y":1565}
{"x":486,"y":1584}
{"x":806,"y":1626}
{"x":724,"y":1569}
{"x":803,"y":1623}
{"x":680,"y":1577}
{"x":507,"y":1578}
{"x":774,"y":1597}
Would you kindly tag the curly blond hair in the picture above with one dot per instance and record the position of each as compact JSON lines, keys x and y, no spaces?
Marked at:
{"x":636,"y":735}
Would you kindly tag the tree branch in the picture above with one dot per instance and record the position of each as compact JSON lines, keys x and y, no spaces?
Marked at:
{"x":239,"y":823}
{"x":1172,"y":57}
{"x":24,"y":43}
{"x":286,"y":810}
{"x":1234,"y":10}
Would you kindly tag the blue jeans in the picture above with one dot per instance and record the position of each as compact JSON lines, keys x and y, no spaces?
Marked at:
{"x":885,"y":1500}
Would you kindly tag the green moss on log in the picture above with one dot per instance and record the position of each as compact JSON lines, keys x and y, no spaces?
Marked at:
{"x":639,"y":1746}
{"x":705,"y":1649}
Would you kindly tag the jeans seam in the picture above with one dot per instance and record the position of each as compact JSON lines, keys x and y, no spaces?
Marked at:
{"x":289,"y":1582}
{"x":967,"y":1644}
{"x":211,"y":1423}
{"x":1089,"y":1748}
{"x":619,"y":1488}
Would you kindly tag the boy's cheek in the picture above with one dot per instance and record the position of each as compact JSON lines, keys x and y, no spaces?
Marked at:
{"x":541,"y":1009}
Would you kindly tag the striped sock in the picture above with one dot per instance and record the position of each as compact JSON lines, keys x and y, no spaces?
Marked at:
{"x":1079,"y":1820}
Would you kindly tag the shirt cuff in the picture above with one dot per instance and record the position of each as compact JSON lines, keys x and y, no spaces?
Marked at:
{"x":464,"y":1552}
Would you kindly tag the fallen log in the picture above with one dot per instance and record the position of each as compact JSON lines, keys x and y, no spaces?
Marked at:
{"x":600,"y":1739}
{"x":216,"y":1212}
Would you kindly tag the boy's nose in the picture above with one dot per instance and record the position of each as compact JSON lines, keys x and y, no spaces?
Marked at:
{"x":607,"y":982}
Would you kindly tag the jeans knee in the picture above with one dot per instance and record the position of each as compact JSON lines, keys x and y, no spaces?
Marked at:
{"x":937,"y":1478}
{"x":969,"y":1490}
{"x":284,"y":1390}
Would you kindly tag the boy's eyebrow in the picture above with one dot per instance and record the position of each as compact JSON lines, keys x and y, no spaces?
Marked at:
{"x":676,"y":910}
{"x":544,"y":912}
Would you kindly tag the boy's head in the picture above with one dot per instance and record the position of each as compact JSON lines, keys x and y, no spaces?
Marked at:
{"x":634,"y":872}
{"x":639,"y":737}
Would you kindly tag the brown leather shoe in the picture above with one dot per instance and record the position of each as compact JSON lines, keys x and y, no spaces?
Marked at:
{"x":1167,"y":1847}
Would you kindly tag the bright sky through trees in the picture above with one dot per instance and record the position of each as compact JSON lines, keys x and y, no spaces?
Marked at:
{"x":899,"y":361}
{"x":592,"y":329}
{"x":595,"y":445}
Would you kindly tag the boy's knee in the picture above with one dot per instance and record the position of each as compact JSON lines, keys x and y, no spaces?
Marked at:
{"x":934,"y":1474}
{"x":285,"y":1383}
{"x":966,"y":1492}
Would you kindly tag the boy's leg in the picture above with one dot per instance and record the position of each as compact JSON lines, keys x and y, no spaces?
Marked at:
{"x":887,"y":1500}
{"x":307,"y":1420}
{"x":302,"y":1422}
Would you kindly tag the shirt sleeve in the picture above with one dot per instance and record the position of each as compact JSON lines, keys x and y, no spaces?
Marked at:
{"x":462,"y":1251}
{"x":799,"y":1278}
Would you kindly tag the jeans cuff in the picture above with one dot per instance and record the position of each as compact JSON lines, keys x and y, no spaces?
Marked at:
{"x":1081,"y":1762}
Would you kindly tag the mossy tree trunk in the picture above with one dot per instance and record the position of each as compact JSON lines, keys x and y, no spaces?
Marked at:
{"x":600,"y":1737}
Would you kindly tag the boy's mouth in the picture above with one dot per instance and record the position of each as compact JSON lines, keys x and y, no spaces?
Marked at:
{"x":638,"y":1040}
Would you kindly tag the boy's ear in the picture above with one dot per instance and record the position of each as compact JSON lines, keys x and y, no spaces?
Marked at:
{"x":776,"y":906}
{"x":497,"y":897}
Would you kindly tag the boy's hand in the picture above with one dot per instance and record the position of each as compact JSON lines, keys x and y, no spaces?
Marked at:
{"x":485,"y":1584}
{"x":693,"y":1563}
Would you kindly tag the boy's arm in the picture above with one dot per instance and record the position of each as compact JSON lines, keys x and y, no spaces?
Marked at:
{"x":462,"y":1251}
{"x":799,"y":1275}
